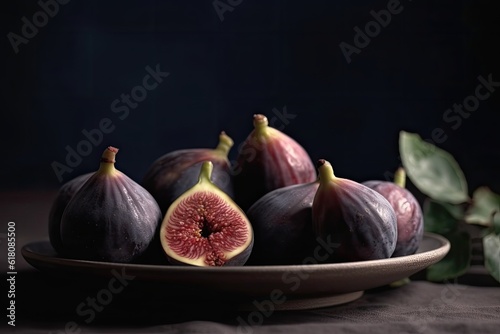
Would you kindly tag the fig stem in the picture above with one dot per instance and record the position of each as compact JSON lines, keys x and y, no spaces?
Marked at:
{"x":400,"y":177}
{"x":225,"y":144}
{"x":260,"y":124}
{"x":206,"y":172}
{"x":107,"y":165}
{"x":325,"y":169}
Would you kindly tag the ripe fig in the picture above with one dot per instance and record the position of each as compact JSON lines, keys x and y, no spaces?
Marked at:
{"x":410,"y":219}
{"x":268,"y":160}
{"x":282,"y":224}
{"x":174,"y":173}
{"x":62,"y":199}
{"x":204,"y":227}
{"x":111,"y":218}
{"x":358,"y":219}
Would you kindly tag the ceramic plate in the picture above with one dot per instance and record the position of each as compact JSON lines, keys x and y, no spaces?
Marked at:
{"x":305,"y":286}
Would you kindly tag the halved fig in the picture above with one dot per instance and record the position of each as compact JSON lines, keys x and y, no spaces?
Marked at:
{"x":204,"y":227}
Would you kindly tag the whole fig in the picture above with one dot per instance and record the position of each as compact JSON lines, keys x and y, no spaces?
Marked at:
{"x":409,"y":214}
{"x":204,"y":227}
{"x":62,"y":199}
{"x":174,"y":173}
{"x":360,"y":221}
{"x":268,"y":160}
{"x":282,"y":224}
{"x":110,"y":218}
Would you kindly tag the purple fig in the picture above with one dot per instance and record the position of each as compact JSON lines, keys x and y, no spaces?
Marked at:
{"x":62,"y":199}
{"x":360,"y":221}
{"x":282,"y":224}
{"x":410,"y":219}
{"x":204,"y":227}
{"x":174,"y":173}
{"x":268,"y":160}
{"x":110,"y":218}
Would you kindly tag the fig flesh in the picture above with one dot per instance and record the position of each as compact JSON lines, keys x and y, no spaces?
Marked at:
{"x":360,"y":221}
{"x":62,"y":199}
{"x":110,"y":218}
{"x":204,"y":227}
{"x":282,"y":224}
{"x":268,"y":160}
{"x":174,"y":173}
{"x":409,"y":214}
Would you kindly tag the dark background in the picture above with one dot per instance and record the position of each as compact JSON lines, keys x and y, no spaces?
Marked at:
{"x":263,"y":55}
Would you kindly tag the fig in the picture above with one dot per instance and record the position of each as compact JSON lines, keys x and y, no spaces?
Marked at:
{"x":174,"y":173}
{"x":282,"y":225}
{"x":359,"y":220}
{"x":267,"y":160}
{"x":410,"y":219}
{"x":204,"y":227}
{"x":62,"y":199}
{"x":110,"y":218}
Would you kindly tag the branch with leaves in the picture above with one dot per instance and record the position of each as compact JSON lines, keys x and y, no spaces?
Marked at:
{"x":438,"y":176}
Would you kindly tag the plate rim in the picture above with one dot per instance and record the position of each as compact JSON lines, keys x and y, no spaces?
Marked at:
{"x":30,"y":255}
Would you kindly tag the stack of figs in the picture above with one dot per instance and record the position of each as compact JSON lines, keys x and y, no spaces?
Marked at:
{"x":272,"y":206}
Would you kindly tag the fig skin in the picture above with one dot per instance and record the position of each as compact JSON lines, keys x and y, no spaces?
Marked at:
{"x":62,"y":199}
{"x":282,"y":224}
{"x":174,"y":173}
{"x":358,"y":219}
{"x":204,"y":227}
{"x":410,"y":219}
{"x":110,"y":218}
{"x":267,"y":160}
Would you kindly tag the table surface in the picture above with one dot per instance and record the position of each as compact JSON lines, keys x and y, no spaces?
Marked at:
{"x":48,"y":303}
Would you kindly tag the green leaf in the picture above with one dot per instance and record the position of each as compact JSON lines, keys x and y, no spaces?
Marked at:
{"x":456,"y":211}
{"x":441,"y":218}
{"x":485,"y":209}
{"x":456,"y":262}
{"x":491,"y":245}
{"x":432,"y":170}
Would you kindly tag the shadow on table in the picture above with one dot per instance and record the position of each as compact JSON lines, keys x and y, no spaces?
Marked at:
{"x":69,"y":302}
{"x":58,"y":301}
{"x":86,"y":301}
